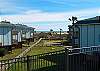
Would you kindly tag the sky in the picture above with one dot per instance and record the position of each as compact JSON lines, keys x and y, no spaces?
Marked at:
{"x":47,"y":14}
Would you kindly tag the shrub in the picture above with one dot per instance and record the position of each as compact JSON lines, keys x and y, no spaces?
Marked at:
{"x":2,"y":51}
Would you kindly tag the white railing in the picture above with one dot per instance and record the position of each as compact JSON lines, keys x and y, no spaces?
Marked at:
{"x":84,"y":49}
{"x":90,"y":49}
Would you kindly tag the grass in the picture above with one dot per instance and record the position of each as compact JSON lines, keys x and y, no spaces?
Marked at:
{"x":54,"y":40}
{"x":43,"y":48}
{"x":15,"y":52}
{"x":34,"y":65}
{"x":46,"y":62}
{"x":40,"y":50}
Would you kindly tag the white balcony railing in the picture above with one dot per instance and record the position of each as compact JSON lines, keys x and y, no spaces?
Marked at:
{"x":86,"y":50}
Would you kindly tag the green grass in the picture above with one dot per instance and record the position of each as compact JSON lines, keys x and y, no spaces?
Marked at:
{"x":12,"y":54}
{"x":43,"y":48}
{"x":15,"y":52}
{"x":40,"y":50}
{"x":34,"y":65}
{"x":54,"y":40}
{"x":38,"y":63}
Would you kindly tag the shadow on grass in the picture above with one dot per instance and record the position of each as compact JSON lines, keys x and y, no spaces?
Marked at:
{"x":77,"y":62}
{"x":49,"y":68}
{"x":57,"y":62}
{"x":58,"y":59}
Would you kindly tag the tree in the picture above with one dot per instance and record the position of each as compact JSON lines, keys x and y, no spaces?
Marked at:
{"x":60,"y":33}
{"x":74,"y":20}
{"x":51,"y":30}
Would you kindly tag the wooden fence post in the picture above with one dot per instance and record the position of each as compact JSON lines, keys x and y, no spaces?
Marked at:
{"x":28,"y":63}
{"x":66,"y":59}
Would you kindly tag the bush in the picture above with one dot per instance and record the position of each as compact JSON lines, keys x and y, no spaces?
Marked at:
{"x":2,"y":51}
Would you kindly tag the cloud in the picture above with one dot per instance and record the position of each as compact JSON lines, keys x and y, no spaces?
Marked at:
{"x":6,"y":6}
{"x":16,"y":12}
{"x":31,"y":17}
{"x":40,"y":16}
{"x":11,"y":7}
{"x":33,"y":12}
{"x":56,"y":1}
{"x":20,"y":6}
{"x":72,"y":2}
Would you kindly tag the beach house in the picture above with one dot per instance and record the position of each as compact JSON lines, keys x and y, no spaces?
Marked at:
{"x":86,"y":33}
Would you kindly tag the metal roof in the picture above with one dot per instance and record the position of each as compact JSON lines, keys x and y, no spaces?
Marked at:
{"x":6,"y":24}
{"x":88,"y":22}
{"x":94,"y":20}
{"x":16,"y":27}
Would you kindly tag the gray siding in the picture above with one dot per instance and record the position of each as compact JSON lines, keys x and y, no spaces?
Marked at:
{"x":89,"y":35}
{"x":31,"y":35}
{"x":15,"y":38}
{"x":28,"y":34}
{"x":5,"y":36}
{"x":83,"y":36}
{"x":97,"y":35}
{"x":20,"y":36}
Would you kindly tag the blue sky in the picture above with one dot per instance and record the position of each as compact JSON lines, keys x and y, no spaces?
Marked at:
{"x":47,"y":14}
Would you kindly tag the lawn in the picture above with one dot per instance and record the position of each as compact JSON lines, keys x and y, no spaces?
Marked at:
{"x":22,"y":66}
{"x":42,"y":62}
{"x":40,"y":49}
{"x":54,"y":41}
{"x":44,"y":49}
{"x":15,"y":52}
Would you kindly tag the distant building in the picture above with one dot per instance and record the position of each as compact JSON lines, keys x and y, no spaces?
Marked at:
{"x":27,"y":34}
{"x":85,"y":33}
{"x":17,"y":36}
